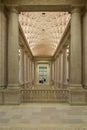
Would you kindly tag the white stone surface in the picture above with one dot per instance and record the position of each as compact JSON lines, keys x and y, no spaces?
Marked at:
{"x":43,"y":116}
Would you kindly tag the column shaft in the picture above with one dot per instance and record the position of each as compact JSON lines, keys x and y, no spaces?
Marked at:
{"x":21,"y":65}
{"x":28,"y":69}
{"x":12,"y":93}
{"x":51,"y":72}
{"x":25,"y":78}
{"x":3,"y":49}
{"x":59,"y":69}
{"x":85,"y":48}
{"x":75,"y":48}
{"x":55,"y":72}
{"x":65,"y":66}
{"x":31,"y":69}
{"x":13,"y":46}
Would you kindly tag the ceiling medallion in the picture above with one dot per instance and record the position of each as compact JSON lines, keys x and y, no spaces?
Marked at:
{"x":43,"y":14}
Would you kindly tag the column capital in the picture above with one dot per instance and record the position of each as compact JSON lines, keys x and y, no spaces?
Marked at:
{"x":75,"y":9}
{"x":13,"y":10}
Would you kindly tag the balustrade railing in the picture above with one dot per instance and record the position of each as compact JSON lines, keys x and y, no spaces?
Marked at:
{"x":59,"y":95}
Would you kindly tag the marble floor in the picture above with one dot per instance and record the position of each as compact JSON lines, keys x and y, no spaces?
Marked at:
{"x":41,"y":116}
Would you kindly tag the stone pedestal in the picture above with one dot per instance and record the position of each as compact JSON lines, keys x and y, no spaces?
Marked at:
{"x":10,"y":95}
{"x":1,"y":96}
{"x":77,"y":96}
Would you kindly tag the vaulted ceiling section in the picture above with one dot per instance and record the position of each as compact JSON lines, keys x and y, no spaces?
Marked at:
{"x":43,"y":30}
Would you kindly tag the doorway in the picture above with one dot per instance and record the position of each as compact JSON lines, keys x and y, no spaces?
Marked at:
{"x":43,"y":74}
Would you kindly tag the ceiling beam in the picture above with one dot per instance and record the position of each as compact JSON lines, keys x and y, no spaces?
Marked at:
{"x":44,"y":5}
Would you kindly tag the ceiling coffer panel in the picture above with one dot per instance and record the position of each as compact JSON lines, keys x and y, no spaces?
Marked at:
{"x":43,"y":30}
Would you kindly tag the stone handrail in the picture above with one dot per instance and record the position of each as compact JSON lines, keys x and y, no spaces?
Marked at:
{"x":57,"y":95}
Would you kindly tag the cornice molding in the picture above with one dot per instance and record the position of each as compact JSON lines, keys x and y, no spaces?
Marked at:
{"x":43,"y":58}
{"x":24,"y":42}
{"x":63,"y":41}
{"x":42,"y":2}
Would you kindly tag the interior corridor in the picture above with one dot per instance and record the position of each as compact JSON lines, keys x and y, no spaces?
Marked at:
{"x":43,"y":55}
{"x":43,"y":65}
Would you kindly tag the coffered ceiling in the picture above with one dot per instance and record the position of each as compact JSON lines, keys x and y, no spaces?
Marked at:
{"x":43,"y":30}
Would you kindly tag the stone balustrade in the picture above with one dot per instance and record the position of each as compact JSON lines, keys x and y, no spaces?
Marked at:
{"x":57,"y":95}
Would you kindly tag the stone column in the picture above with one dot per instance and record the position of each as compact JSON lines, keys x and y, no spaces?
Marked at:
{"x":55,"y":72}
{"x":52,"y":72}
{"x":77,"y":94}
{"x":3,"y":64}
{"x":28,"y":70}
{"x":13,"y":61}
{"x":13,"y":48}
{"x":58,"y":72}
{"x":21,"y":65}
{"x":65,"y":67}
{"x":57,"y":65}
{"x":25,"y":78}
{"x":3,"y":52}
{"x":62,"y":69}
{"x":59,"y":69}
{"x":85,"y":48}
{"x":31,"y":70}
{"x":75,"y":49}
{"x":68,"y":68}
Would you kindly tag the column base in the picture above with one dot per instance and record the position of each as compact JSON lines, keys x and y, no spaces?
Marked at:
{"x":77,"y":96}
{"x":10,"y":96}
{"x":1,"y":96}
{"x":65,"y":85}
